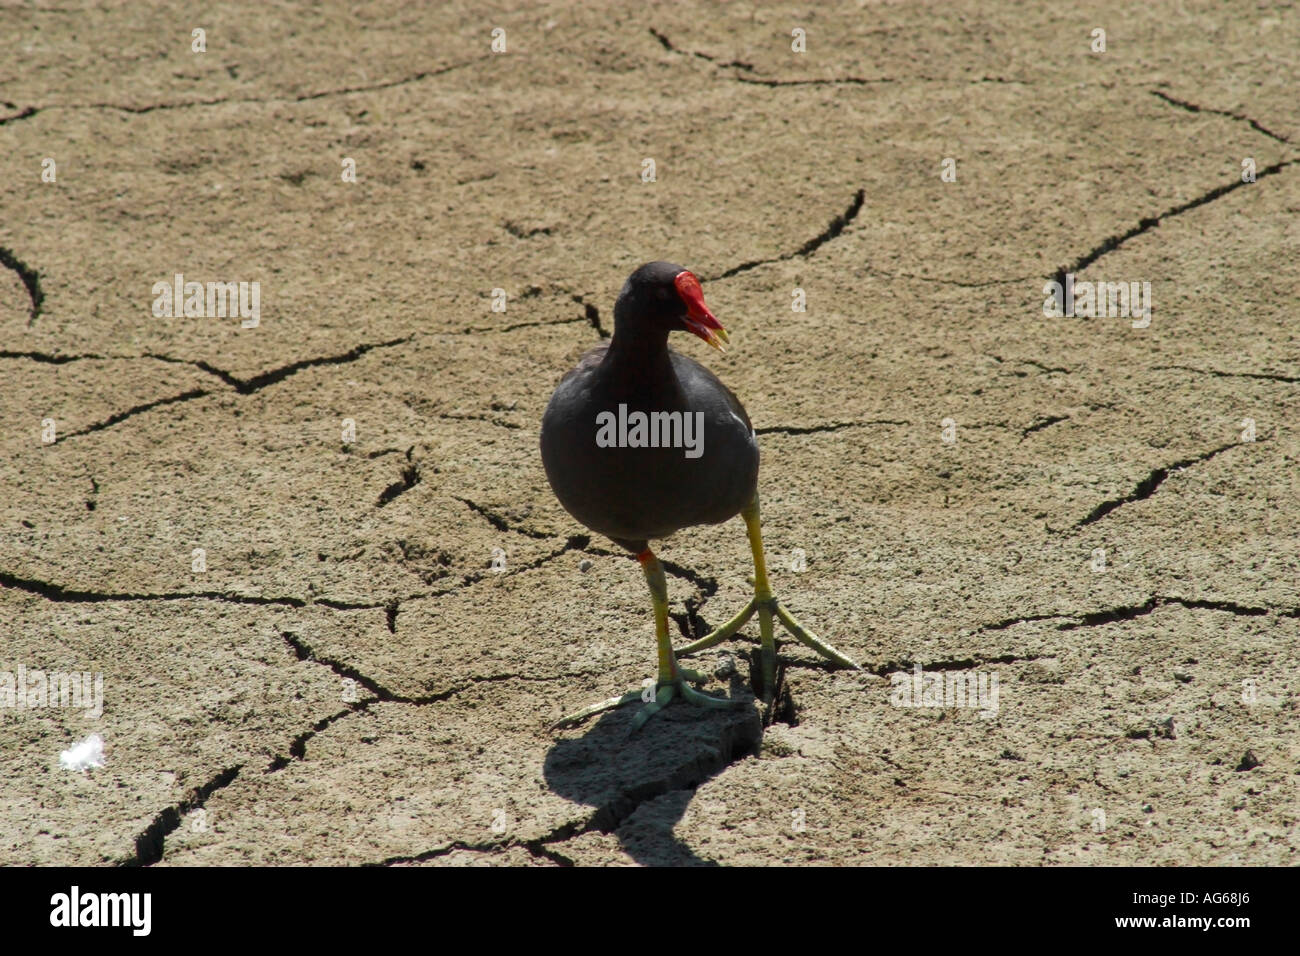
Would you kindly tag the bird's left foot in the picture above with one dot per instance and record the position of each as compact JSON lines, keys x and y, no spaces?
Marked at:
{"x":656,"y":696}
{"x":769,"y":608}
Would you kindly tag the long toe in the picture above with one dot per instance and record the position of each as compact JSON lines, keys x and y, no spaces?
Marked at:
{"x":809,"y":639}
{"x":611,"y":703}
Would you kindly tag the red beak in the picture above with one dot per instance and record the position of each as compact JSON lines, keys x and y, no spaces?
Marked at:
{"x":698,"y":317}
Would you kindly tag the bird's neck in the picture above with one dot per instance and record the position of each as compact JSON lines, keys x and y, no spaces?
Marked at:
{"x":638,"y":346}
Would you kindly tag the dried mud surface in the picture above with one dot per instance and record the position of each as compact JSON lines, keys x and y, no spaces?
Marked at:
{"x":350,"y":682}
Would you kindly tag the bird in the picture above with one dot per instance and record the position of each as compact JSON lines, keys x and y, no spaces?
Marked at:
{"x":638,"y":442}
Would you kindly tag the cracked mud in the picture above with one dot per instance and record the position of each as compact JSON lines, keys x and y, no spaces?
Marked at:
{"x":334,"y":603}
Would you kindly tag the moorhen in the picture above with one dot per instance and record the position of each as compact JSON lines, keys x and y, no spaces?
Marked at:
{"x":639,"y":441}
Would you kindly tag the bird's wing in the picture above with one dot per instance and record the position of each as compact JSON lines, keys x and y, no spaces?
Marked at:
{"x":590,"y":359}
{"x":732,"y":402}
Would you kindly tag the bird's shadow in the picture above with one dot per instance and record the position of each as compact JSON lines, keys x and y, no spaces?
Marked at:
{"x":640,"y":784}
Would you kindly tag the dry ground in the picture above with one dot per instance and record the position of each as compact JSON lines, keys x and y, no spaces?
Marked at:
{"x":350,"y":682}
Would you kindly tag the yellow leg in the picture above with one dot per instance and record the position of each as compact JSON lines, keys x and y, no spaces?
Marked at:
{"x":763,"y":599}
{"x":654,"y":577}
{"x":753,"y":525}
{"x":672,"y":682}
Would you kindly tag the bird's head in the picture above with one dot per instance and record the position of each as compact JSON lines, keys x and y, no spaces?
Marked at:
{"x":670,"y":296}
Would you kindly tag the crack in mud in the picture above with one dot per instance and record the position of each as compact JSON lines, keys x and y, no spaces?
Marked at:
{"x":867,"y":423}
{"x":298,"y":746}
{"x":828,"y":427}
{"x":963,"y":283}
{"x":1241,"y":117}
{"x":442,"y":851}
{"x":705,"y":586}
{"x":577,"y":542}
{"x":499,"y":422}
{"x":1041,"y":423}
{"x":59,"y":593}
{"x":1264,"y":376}
{"x":836,"y":227}
{"x":592,"y":315}
{"x":745,"y":67}
{"x":241,"y":386}
{"x":740,"y":739}
{"x":1132,"y":611}
{"x":149,"y":845}
{"x":31,"y":280}
{"x":1074,"y":622}
{"x":386,"y":85}
{"x":21,"y":115}
{"x":1043,"y":367}
{"x":1036,"y":364}
{"x":411,"y":477}
{"x":1014,"y":621}
{"x":1112,"y":243}
{"x":1150,"y":484}
{"x":52,"y":359}
{"x":1230,"y":607}
{"x":960,"y":664}
{"x":1111,"y":615}
{"x":836,"y":81}
{"x":478,"y":330}
{"x":500,"y":523}
{"x":136,"y":410}
{"x":521,"y":232}
{"x":382,"y":694}
{"x":30,"y":111}
{"x":874,"y":80}
{"x":668,"y":45}
{"x":277,"y":375}
{"x":538,"y":848}
{"x":305,"y":652}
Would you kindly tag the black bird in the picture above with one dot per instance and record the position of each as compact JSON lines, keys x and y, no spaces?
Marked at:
{"x":639,"y":441}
